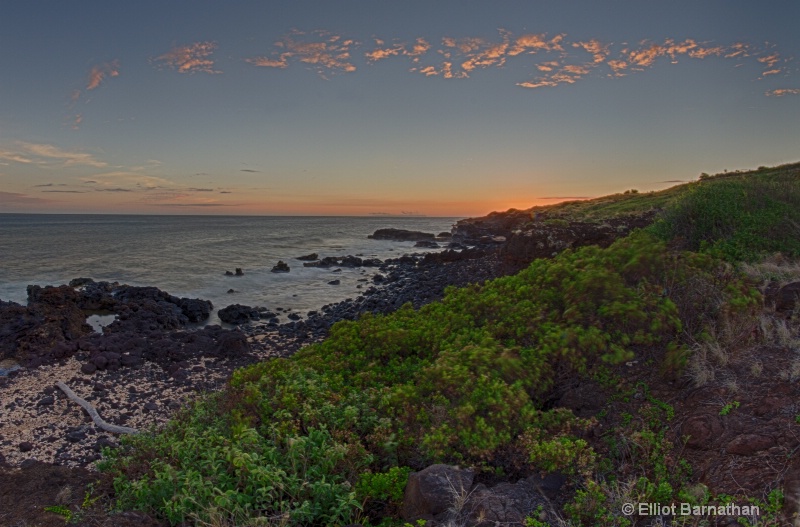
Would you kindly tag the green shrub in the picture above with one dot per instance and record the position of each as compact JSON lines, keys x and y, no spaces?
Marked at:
{"x":312,"y":437}
{"x":739,"y":217}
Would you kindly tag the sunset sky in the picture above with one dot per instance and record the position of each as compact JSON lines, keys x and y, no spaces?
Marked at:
{"x":357,"y":107}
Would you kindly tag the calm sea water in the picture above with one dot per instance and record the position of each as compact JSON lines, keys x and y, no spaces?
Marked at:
{"x":188,"y":255}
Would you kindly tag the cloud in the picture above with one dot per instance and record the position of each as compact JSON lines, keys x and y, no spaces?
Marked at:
{"x":781,"y":92}
{"x":43,"y":155}
{"x":322,"y":50}
{"x":66,"y":191}
{"x":127,"y":181}
{"x":598,"y":50}
{"x":16,"y":157}
{"x":459,"y":57}
{"x":99,"y":73}
{"x":769,"y":60}
{"x":265,"y":62}
{"x":633,"y":59}
{"x":193,"y":58}
{"x":649,"y":52}
{"x":201,"y":189}
{"x":530,"y":44}
{"x":250,"y":170}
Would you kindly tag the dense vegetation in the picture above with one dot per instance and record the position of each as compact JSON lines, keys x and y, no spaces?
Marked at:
{"x":329,"y":435}
{"x":738,"y":216}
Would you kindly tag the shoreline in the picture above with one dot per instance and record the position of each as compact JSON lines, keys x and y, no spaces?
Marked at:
{"x":39,"y":423}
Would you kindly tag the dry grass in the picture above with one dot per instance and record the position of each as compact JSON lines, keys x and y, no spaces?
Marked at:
{"x":774,"y":268}
{"x":458,"y":513}
{"x":64,"y":496}
{"x":725,"y":342}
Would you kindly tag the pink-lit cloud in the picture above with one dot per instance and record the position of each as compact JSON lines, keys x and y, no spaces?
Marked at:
{"x":637,"y":59}
{"x":535,"y":43}
{"x":323,"y":51}
{"x":562,"y":61}
{"x":266,"y":62}
{"x":192,"y":58}
{"x":559,"y":60}
{"x":597,"y":49}
{"x":781,"y":92}
{"x":100,"y":72}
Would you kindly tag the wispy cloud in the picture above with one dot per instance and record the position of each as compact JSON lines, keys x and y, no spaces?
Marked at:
{"x":457,"y":58}
{"x":323,"y":51}
{"x":66,"y":191}
{"x":16,"y":157}
{"x":630,"y":59}
{"x":192,"y":58}
{"x":781,"y":92}
{"x":127,"y":180}
{"x":100,"y":72}
{"x":45,"y":155}
{"x":249,"y":170}
{"x":97,"y":75}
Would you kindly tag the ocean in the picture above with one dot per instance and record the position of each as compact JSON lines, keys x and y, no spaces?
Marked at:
{"x":187,"y":256}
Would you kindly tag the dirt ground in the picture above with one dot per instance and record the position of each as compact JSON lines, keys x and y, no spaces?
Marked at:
{"x":32,"y":496}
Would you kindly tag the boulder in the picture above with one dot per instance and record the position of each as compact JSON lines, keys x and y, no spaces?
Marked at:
{"x":371,"y":262}
{"x":238,"y":314}
{"x":749,"y":444}
{"x":431,"y":491}
{"x":352,"y":261}
{"x":510,"y":504}
{"x":239,"y":271}
{"x":401,"y":235}
{"x":281,"y":267}
{"x":786,"y":299}
{"x":702,"y":430}
{"x":309,"y":257}
{"x":427,"y":244}
{"x":194,"y":309}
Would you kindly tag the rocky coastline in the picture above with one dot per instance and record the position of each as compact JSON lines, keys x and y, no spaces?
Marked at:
{"x":157,"y":337}
{"x":155,"y":356}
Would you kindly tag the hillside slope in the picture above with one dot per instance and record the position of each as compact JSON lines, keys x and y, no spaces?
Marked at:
{"x":636,"y":372}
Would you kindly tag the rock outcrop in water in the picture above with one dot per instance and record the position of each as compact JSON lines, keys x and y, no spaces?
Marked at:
{"x":150,"y":325}
{"x":281,"y":267}
{"x":401,"y":235}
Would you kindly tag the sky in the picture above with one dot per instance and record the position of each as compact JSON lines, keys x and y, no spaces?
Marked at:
{"x":359,"y":107}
